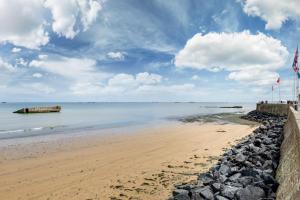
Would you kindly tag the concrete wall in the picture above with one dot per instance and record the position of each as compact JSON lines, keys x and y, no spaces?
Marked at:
{"x":277,"y":109}
{"x":288,"y":172}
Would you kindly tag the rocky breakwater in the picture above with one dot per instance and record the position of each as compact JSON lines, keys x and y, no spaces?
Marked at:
{"x":246,"y":171}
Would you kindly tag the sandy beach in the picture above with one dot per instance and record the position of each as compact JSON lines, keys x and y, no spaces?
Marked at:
{"x":141,"y":165}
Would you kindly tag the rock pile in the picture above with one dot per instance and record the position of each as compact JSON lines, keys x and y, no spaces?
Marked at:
{"x":245,"y":172}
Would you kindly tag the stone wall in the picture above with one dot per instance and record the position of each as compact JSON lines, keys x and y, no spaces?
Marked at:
{"x":276,"y":109}
{"x":288,"y":172}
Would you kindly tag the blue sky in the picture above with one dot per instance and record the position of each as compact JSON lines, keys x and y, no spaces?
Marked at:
{"x":149,"y":50}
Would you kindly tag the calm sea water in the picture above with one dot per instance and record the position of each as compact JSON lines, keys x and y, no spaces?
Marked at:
{"x":85,"y":116}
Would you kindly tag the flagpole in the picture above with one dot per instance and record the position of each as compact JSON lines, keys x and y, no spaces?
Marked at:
{"x":297,"y":88}
{"x":294,"y":87}
{"x":279,"y":92}
{"x":272,"y":94}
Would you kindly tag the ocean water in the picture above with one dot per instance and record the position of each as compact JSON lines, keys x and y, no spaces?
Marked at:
{"x":75,"y":117}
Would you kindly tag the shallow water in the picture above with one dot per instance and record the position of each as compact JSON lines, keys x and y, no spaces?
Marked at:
{"x":100,"y":116}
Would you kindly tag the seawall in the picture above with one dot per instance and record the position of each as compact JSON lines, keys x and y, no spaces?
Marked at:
{"x":276,"y":109}
{"x":288,"y":171}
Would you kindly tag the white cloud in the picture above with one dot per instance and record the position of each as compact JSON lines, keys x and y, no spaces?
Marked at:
{"x":38,"y":88}
{"x":116,"y":55}
{"x":21,"y":61}
{"x":15,"y":50}
{"x":128,"y":80}
{"x":72,"y":68}
{"x":67,"y":14}
{"x":22,"y":23}
{"x":7,"y":66}
{"x":256,"y":77}
{"x":167,"y":88}
{"x":37,"y":75}
{"x":122,"y":80}
{"x":235,"y":52}
{"x":274,"y":13}
{"x":82,"y":74}
{"x":195,"y":78}
{"x":148,"y":79}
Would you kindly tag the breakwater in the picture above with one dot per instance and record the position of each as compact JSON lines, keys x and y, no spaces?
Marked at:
{"x":247,"y":171}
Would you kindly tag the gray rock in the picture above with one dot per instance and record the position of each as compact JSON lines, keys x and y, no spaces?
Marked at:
{"x":224,"y":169}
{"x":204,"y":192}
{"x":218,"y":197}
{"x":246,"y":180}
{"x":240,"y":158}
{"x":235,"y":177}
{"x":180,"y":191}
{"x":216,"y":187}
{"x":229,"y":191}
{"x":182,"y":197}
{"x":205,"y":178}
{"x":250,"y":193}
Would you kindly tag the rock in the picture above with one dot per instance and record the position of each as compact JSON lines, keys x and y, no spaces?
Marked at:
{"x":235,"y":177}
{"x":180,"y":191}
{"x":250,"y":193}
{"x":182,"y":197}
{"x":205,"y":178}
{"x":207,"y":193}
{"x":218,"y":197}
{"x":216,"y":187}
{"x":249,"y":172}
{"x":245,"y":180}
{"x":257,"y":142}
{"x":229,"y":191}
{"x":224,"y":169}
{"x":202,"y":193}
{"x":268,"y":179}
{"x":240,"y":158}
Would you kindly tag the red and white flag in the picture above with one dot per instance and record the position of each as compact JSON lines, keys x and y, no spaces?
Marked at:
{"x":278,"y":80}
{"x":295,"y":63}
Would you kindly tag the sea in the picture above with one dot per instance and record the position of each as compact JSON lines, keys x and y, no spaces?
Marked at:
{"x":102,"y":117}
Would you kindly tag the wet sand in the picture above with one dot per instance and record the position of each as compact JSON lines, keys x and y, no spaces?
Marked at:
{"x":141,"y":165}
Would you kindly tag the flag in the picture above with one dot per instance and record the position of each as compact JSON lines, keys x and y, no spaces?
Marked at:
{"x":295,"y":63}
{"x":278,"y":80}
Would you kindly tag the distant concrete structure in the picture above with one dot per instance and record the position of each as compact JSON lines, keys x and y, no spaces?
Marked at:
{"x":39,"y":110}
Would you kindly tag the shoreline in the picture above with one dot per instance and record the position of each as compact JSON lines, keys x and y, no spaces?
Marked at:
{"x":141,"y":165}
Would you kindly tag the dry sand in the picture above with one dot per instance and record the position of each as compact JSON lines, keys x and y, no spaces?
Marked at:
{"x":143,"y":165}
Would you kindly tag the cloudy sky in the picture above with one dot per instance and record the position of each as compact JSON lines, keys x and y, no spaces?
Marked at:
{"x":146,"y":50}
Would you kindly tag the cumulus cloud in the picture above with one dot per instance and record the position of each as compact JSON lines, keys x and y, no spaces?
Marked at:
{"x":7,"y":66}
{"x":72,"y":68}
{"x":195,"y":78}
{"x":148,"y":79}
{"x":22,"y":23}
{"x":116,"y":55}
{"x":37,"y":75}
{"x":274,"y":13}
{"x":257,"y":77}
{"x":39,"y":88}
{"x":235,"y":52}
{"x":128,"y":80}
{"x":15,"y":50}
{"x":67,"y":14}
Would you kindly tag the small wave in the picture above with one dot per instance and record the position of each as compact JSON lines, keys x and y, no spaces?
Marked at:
{"x":21,"y":130}
{"x":11,"y":131}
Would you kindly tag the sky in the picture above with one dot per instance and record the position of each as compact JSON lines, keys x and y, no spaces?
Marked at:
{"x":147,"y":50}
